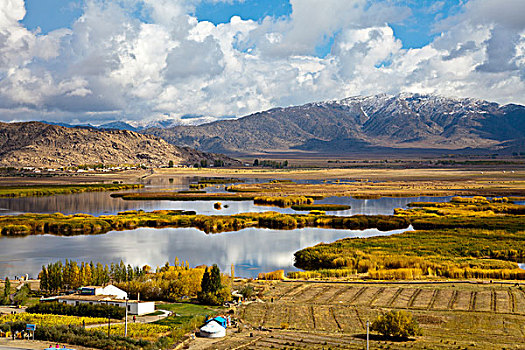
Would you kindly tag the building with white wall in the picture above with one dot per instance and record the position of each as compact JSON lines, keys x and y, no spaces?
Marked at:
{"x":108,"y":295}
{"x":107,"y":290}
{"x":135,"y":307}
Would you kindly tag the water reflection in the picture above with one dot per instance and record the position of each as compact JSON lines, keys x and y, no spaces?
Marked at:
{"x":252,"y":250}
{"x":101,"y":203}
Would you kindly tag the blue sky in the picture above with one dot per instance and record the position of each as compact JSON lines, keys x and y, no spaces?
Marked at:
{"x":104,"y":60}
{"x":415,"y":31}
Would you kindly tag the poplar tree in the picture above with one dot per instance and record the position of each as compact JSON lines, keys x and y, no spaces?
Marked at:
{"x":7,"y":292}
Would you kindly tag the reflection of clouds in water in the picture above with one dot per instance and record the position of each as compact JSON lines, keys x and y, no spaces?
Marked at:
{"x":100,"y":203}
{"x":264,"y":249}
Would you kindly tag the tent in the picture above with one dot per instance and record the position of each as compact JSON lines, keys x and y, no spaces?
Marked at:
{"x":220,"y":320}
{"x":212,"y":329}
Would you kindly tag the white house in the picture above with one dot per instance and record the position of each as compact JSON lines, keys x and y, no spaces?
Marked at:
{"x":135,"y":307}
{"x":108,"y":295}
{"x":107,"y":290}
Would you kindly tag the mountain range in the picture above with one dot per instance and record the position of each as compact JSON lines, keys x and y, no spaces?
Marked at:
{"x":38,"y":144}
{"x":379,"y":123}
{"x":142,"y":125}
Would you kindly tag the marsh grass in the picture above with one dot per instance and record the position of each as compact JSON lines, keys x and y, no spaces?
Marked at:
{"x":321,"y":207}
{"x":79,"y":224}
{"x":465,"y":238}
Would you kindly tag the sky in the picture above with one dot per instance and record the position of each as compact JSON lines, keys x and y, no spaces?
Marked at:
{"x":97,"y":61}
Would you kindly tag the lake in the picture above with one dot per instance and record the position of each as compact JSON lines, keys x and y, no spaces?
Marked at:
{"x":101,"y":203}
{"x":251,"y":250}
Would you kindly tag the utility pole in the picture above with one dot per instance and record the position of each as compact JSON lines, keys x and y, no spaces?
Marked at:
{"x":126,"y":319}
{"x":367,"y":335}
{"x":232,"y":275}
{"x":109,"y":318}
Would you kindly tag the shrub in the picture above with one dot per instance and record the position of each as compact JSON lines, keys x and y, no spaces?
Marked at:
{"x":398,"y":324}
{"x":274,"y":275}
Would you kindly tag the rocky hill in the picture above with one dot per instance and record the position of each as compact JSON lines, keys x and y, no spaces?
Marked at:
{"x":381,"y":123}
{"x":40,"y":144}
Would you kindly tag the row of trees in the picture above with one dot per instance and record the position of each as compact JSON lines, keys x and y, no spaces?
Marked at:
{"x":270,"y":164}
{"x":72,"y":275}
{"x":213,"y":291}
{"x":179,"y":281}
{"x":169,"y":282}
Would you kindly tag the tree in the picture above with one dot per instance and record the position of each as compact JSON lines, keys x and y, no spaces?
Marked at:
{"x":43,"y":279}
{"x":215,"y":279}
{"x":212,"y":291}
{"x":256,"y":162}
{"x":399,"y":324}
{"x":170,"y":164}
{"x":22,"y":295}
{"x":7,"y":291}
{"x":205,"y":283}
{"x":146,"y":269}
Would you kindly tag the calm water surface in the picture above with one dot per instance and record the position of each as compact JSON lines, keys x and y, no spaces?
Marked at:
{"x":101,"y":203}
{"x":251,"y":250}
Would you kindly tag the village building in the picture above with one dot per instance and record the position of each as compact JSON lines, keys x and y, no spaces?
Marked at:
{"x":107,"y":290}
{"x":108,"y":295}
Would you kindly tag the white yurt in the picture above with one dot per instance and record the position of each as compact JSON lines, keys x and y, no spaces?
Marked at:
{"x":212,"y":329}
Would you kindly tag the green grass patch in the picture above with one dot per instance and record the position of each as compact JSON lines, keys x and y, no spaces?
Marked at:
{"x":188,"y":309}
{"x":156,"y":313}
{"x":451,"y":253}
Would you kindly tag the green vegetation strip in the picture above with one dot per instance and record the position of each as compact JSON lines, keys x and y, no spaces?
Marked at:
{"x":459,"y":253}
{"x":60,"y":224}
{"x":324,"y":207}
{"x":185,"y":313}
{"x":50,"y":190}
{"x":465,"y":238}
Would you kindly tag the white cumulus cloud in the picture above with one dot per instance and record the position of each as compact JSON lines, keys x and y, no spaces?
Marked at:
{"x":111,"y":65}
